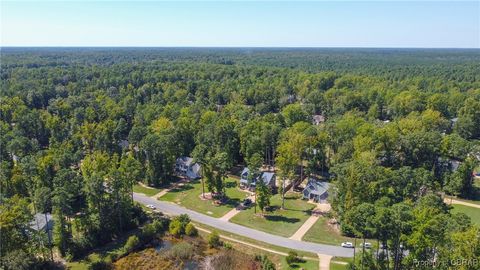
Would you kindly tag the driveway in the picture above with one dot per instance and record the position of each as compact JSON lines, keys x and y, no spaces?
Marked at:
{"x":173,"y":209}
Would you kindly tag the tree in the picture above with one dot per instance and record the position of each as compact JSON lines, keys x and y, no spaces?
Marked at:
{"x":468,"y":119}
{"x":263,"y":195}
{"x":294,"y":113}
{"x":201,"y":156}
{"x":361,"y":219}
{"x":460,"y":182}
{"x":289,"y":156}
{"x":15,"y":218}
{"x":254,"y":165}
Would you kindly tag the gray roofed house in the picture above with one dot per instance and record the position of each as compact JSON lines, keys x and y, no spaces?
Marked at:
{"x":316,"y":190}
{"x":317,"y":119}
{"x":42,"y":222}
{"x":267,"y":177}
{"x":185,"y":166}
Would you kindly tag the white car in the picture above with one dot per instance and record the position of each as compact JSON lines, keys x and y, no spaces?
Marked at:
{"x":151,"y":206}
{"x":367,"y":245}
{"x":347,"y":245}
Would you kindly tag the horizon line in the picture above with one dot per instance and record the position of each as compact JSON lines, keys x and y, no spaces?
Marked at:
{"x":233,"y":47}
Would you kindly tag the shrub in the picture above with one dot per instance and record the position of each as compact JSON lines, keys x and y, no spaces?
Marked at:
{"x":227,"y":246}
{"x":131,"y":244}
{"x":291,"y":258}
{"x":266,"y":263}
{"x":214,"y":240}
{"x":175,"y":228}
{"x":178,"y":224}
{"x":147,"y":233}
{"x":190,"y":230}
{"x":100,"y":265}
{"x":181,"y":251}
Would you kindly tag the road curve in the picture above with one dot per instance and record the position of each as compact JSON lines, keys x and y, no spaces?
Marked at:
{"x":173,"y":209}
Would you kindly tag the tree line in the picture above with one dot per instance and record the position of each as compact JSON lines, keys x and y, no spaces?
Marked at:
{"x":80,"y":127}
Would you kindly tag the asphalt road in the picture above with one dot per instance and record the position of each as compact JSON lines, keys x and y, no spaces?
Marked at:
{"x":173,"y":209}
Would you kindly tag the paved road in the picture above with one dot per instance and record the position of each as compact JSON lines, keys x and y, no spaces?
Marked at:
{"x":173,"y":209}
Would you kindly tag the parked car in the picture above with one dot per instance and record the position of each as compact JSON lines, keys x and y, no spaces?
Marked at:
{"x":347,"y":245}
{"x":367,"y":245}
{"x":246,"y":203}
{"x":151,"y":206}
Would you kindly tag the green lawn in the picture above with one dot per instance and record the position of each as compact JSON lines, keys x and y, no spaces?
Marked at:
{"x":337,"y":266}
{"x":304,"y":264}
{"x":147,"y":191}
{"x":321,"y":232}
{"x":472,"y":212}
{"x":189,"y":196}
{"x":281,"y":222}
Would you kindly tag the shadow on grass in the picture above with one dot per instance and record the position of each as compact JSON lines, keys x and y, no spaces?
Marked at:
{"x":231,"y":184}
{"x":182,"y":188}
{"x":281,"y":219}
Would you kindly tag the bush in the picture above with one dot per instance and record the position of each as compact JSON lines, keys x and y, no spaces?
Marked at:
{"x":100,"y":265}
{"x":131,"y":244}
{"x":175,"y":228}
{"x":190,"y":230}
{"x":214,"y":240}
{"x":291,"y":258}
{"x":178,"y":224}
{"x":265,"y":262}
{"x":227,"y":246}
{"x":181,"y":251}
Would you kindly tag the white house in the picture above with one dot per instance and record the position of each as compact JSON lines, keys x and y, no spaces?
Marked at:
{"x":184,"y":166}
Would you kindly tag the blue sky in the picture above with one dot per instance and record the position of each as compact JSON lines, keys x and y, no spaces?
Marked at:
{"x":430,"y":24}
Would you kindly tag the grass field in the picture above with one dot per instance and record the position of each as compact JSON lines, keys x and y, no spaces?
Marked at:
{"x":321,"y":232}
{"x":189,"y":196}
{"x":147,"y":191}
{"x":281,"y":222}
{"x":337,"y":266}
{"x":472,"y":212}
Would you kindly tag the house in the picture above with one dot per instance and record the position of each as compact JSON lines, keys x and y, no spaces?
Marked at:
{"x":42,"y":222}
{"x":184,"y":166}
{"x":124,"y":144}
{"x":449,"y":164}
{"x":316,"y":190}
{"x":317,"y":119}
{"x":268,"y":179}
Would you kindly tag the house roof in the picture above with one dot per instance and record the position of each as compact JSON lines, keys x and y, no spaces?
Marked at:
{"x":317,"y":187}
{"x":245,"y":171}
{"x":39,"y":218}
{"x":318,"y":118}
{"x":267,"y":177}
{"x":185,"y":160}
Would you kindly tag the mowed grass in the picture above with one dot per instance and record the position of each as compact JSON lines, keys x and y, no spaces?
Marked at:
{"x":147,"y":191}
{"x":343,"y":265}
{"x":280,"y":222}
{"x":189,"y":196}
{"x":472,"y":212}
{"x":322,"y":233}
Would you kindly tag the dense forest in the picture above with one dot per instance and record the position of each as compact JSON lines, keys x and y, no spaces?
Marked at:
{"x":399,"y":129}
